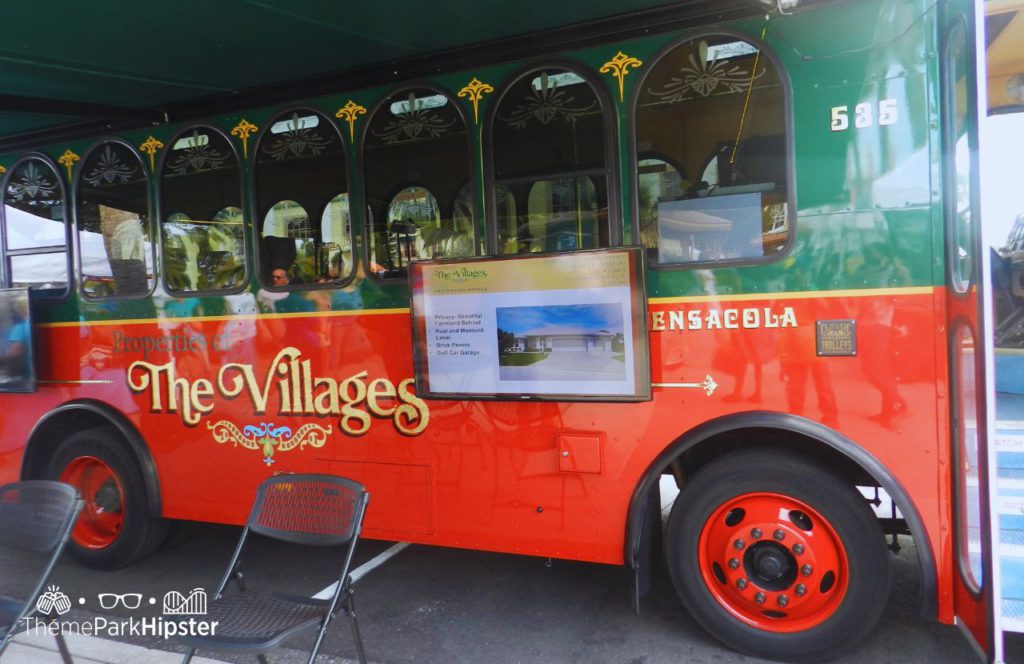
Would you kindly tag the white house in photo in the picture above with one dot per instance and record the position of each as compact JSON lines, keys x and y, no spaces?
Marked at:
{"x":564,"y":338}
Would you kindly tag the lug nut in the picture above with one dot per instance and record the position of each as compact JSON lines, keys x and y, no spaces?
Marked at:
{"x":756,"y":533}
{"x":739,"y":544}
{"x":806,"y":570}
{"x":801,"y":590}
{"x":734,"y":563}
{"x":741,"y":584}
{"x":783,"y":600}
{"x":779,"y":535}
{"x":759,"y":598}
{"x":798,"y":549}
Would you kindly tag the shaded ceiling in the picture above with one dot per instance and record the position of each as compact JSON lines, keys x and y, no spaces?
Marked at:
{"x":122,"y":62}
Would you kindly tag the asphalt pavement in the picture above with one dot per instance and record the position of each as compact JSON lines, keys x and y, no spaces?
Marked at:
{"x":430,"y":604}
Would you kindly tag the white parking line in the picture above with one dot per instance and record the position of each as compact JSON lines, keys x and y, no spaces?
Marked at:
{"x":363,"y":569}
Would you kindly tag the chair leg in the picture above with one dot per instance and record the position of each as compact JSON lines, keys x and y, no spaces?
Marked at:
{"x":350,"y":609}
{"x":188,"y":656}
{"x":62,"y":646}
{"x":319,"y":639}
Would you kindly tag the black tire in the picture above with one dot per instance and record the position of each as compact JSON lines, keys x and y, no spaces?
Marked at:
{"x":760,"y":475}
{"x":138,"y":534}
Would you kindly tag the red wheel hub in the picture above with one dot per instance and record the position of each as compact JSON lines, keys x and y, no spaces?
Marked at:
{"x":773,"y":562}
{"x":102,"y":516}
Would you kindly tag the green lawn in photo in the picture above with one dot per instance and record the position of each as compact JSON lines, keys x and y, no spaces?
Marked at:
{"x":520,"y":359}
{"x":620,"y":358}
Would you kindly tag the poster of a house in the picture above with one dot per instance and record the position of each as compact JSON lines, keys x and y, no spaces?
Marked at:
{"x":553,"y":342}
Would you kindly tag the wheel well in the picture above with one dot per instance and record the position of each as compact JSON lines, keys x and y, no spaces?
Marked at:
{"x":56,"y":426}
{"x":695,"y":457}
{"x":713,"y":439}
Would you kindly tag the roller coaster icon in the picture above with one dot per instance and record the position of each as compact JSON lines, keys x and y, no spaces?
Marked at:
{"x":177,"y":604}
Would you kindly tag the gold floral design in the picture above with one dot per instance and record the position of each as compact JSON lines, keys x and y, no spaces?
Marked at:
{"x":476,"y":90}
{"x":150,"y":146}
{"x":67,"y":160}
{"x":268,"y":438}
{"x":242,"y":130}
{"x":619,"y":67}
{"x":348,"y":113}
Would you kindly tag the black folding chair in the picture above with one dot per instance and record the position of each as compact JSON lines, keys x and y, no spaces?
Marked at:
{"x":36,"y":517}
{"x":319,"y":510}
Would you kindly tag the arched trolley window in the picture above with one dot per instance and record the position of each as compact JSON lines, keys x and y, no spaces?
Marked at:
{"x":549,"y":136}
{"x":115,"y":237}
{"x":416,"y":161}
{"x":712,"y":159}
{"x":302,"y":201}
{"x":35,"y":228}
{"x":201,"y":217}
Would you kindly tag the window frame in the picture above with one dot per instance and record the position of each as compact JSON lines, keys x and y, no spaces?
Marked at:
{"x":633,"y":158}
{"x":53,"y":295}
{"x":948,"y":149}
{"x":256,"y":223}
{"x":366,"y":213}
{"x":612,"y":161}
{"x":160,"y":213}
{"x":150,"y":204}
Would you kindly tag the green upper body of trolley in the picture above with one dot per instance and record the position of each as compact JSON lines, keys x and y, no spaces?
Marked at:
{"x":856,"y":191}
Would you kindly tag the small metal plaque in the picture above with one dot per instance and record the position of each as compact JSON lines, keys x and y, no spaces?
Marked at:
{"x":837,"y":337}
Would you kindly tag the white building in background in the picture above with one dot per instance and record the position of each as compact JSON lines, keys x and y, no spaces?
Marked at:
{"x":562,"y":338}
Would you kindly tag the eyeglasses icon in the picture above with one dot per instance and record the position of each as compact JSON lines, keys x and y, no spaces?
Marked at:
{"x":130,"y":601}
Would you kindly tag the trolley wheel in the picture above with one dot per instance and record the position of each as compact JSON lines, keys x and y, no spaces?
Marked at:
{"x":114,"y":528}
{"x":777,"y":557}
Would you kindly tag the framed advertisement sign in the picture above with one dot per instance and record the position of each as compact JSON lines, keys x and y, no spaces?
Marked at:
{"x":566,"y":327}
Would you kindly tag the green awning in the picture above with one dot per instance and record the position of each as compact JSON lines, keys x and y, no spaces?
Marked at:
{"x":86,"y":63}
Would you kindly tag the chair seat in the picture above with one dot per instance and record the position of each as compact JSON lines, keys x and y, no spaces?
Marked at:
{"x":253,"y":621}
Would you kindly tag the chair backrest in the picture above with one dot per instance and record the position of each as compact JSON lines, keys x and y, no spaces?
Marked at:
{"x":308,"y":509}
{"x":37,"y":515}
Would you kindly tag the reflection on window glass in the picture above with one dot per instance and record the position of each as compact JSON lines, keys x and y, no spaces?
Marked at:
{"x":549,"y":161}
{"x":562,"y":215}
{"x":462,"y":214}
{"x":35,"y":221}
{"x":962,"y":244}
{"x":302,"y":194}
{"x":288,"y":237}
{"x":337,"y":241}
{"x":711,"y":176}
{"x":417,"y":145}
{"x":114,"y":235}
{"x":201,"y":231}
{"x":968,"y":495}
{"x":17,"y":363}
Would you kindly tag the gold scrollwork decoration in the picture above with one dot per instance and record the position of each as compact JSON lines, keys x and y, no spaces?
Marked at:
{"x":150,"y":146}
{"x":3,"y":169}
{"x":619,"y":67}
{"x":67,"y":160}
{"x":476,"y":90}
{"x":242,"y":130}
{"x":348,"y":113}
{"x":313,"y":435}
{"x":268,"y":438}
